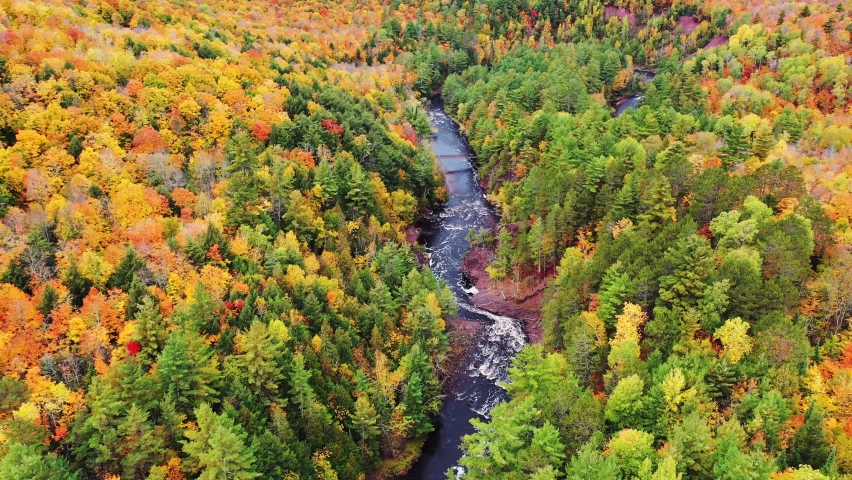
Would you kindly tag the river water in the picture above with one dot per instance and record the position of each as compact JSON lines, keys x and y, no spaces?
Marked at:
{"x":634,"y":102}
{"x":444,"y":233}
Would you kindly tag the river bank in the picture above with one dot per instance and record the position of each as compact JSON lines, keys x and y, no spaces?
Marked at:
{"x":523,"y":302}
{"x":483,"y":344}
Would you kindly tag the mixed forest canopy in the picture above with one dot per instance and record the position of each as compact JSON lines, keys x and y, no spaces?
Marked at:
{"x":205,"y":259}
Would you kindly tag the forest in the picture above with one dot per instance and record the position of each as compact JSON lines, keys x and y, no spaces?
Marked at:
{"x":208,"y":266}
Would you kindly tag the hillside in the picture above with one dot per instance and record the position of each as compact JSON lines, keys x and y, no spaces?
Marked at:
{"x":205,"y":259}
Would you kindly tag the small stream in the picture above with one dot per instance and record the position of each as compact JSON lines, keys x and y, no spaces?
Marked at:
{"x":444,"y":233}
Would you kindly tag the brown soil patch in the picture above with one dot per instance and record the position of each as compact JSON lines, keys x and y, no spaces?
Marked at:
{"x":523,"y":301}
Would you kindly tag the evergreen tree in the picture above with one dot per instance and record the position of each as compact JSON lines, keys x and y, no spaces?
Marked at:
{"x":75,"y":146}
{"x":137,"y":292}
{"x":736,"y":145}
{"x":141,"y":447}
{"x":217,"y":450}
{"x":764,"y":141}
{"x":364,"y":418}
{"x":256,"y":361}
{"x":301,"y":389}
{"x":809,"y":446}
{"x":151,"y":331}
{"x":187,"y":370}
{"x":78,"y":285}
{"x":49,"y":300}
{"x":29,"y":462}
{"x":689,"y":261}
{"x":615,"y":289}
{"x":590,"y":464}
{"x":126,"y":271}
{"x":243,"y":185}
{"x":659,"y":206}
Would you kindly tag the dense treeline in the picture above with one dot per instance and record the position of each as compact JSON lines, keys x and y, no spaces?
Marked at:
{"x":695,"y":324}
{"x":438,"y":39}
{"x":203,"y":261}
{"x":204,"y":269}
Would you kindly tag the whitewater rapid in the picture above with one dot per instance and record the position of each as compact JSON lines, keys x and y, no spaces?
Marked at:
{"x":444,"y":234}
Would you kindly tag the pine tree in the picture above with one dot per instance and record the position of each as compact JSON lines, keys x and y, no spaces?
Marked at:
{"x":275,"y":458}
{"x":301,"y":391}
{"x":75,"y":146}
{"x":137,"y":292}
{"x":536,"y":239}
{"x":364,"y":418}
{"x":589,"y":464}
{"x":78,"y":285}
{"x":414,"y":408}
{"x":736,"y":145}
{"x":627,"y":202}
{"x":690,"y":261}
{"x":763,"y":143}
{"x":126,"y":271}
{"x":141,"y":447}
{"x":217,"y":450}
{"x":188,"y":371}
{"x":809,"y":446}
{"x":29,"y":462}
{"x":615,"y":289}
{"x":693,"y":442}
{"x":256,"y":361}
{"x":243,"y":184}
{"x":150,"y":330}
{"x":660,"y":205}
{"x":49,"y":300}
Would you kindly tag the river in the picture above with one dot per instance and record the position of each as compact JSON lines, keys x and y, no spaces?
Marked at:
{"x":444,"y":233}
{"x":634,"y":102}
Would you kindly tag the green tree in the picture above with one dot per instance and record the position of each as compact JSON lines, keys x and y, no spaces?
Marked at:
{"x":692,"y":442}
{"x":763,"y":143}
{"x":142,"y":447}
{"x":217,"y":450}
{"x":30,"y":462}
{"x":188,"y":371}
{"x":257,"y":352}
{"x":659,"y":205}
{"x":301,"y":389}
{"x":243,"y":185}
{"x":364,"y":418}
{"x":690,"y":260}
{"x":590,"y":464}
{"x":809,"y":445}
{"x":615,"y":289}
{"x":151,"y":330}
{"x":630,"y":448}
{"x":736,"y":145}
{"x":626,"y":406}
{"x":126,"y":270}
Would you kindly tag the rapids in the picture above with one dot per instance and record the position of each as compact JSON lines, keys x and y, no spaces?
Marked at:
{"x":444,"y":234}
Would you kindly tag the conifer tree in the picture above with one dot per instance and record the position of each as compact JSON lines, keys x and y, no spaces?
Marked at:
{"x":364,"y":418}
{"x":217,"y":450}
{"x":151,"y":330}
{"x":242,"y":182}
{"x":29,"y":462}
{"x":809,"y":446}
{"x":736,"y":145}
{"x":301,"y":391}
{"x":187,"y":371}
{"x":142,"y":447}
{"x":659,"y":205}
{"x":256,"y":360}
